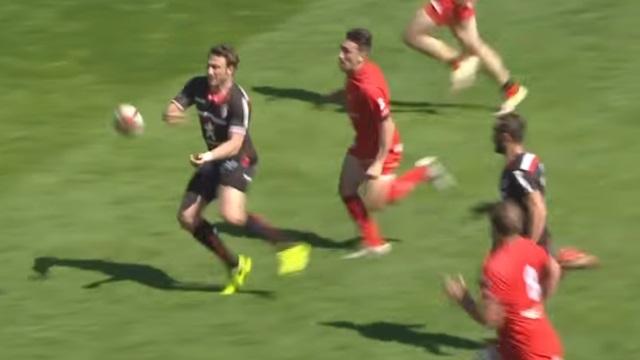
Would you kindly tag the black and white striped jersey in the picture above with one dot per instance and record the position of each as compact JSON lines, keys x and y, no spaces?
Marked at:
{"x":220,"y":114}
{"x":522,"y":176}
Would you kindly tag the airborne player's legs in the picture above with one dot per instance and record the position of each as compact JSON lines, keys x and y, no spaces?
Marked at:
{"x":466,"y":31}
{"x":459,"y":16}
{"x":419,"y":35}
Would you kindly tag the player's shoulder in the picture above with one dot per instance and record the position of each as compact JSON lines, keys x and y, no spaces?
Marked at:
{"x":198,"y":81}
{"x":495,"y":263}
{"x":373,"y":68}
{"x":528,"y":251}
{"x":502,"y":259}
{"x":527,"y":161}
{"x":523,"y":244}
{"x":238,"y":92}
{"x":197,"y":86}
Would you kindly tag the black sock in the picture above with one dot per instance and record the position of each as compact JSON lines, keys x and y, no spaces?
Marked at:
{"x":208,"y":236}
{"x":257,"y":226}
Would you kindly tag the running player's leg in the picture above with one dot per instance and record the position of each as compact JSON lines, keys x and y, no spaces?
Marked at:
{"x":466,"y":31}
{"x":352,"y":176}
{"x":233,"y":209}
{"x":200,"y":191}
{"x":389,"y":189}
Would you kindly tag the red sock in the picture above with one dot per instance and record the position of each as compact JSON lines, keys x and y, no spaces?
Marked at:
{"x":368,"y":227}
{"x":510,"y":88}
{"x":403,"y":185}
{"x":455,"y":63}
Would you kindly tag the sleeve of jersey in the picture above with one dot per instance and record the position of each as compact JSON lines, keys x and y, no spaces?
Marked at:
{"x":239,"y":110}
{"x":526,"y":181}
{"x":378,"y":105}
{"x":186,"y":96}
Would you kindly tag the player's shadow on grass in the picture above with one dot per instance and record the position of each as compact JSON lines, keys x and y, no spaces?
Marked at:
{"x":482,"y":208}
{"x":408,"y":334}
{"x":309,"y":237}
{"x":320,"y":100}
{"x":143,"y":274}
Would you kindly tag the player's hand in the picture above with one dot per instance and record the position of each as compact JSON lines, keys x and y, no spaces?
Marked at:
{"x":198,"y":159}
{"x":173,"y":119}
{"x":375,"y":170}
{"x":455,"y":288}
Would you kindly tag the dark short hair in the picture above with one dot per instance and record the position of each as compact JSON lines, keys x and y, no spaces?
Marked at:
{"x":228,"y":53}
{"x":362,"y":37}
{"x":506,"y":218}
{"x":512,"y":124}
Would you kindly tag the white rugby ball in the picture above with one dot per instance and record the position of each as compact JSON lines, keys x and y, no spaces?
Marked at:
{"x":128,"y":120}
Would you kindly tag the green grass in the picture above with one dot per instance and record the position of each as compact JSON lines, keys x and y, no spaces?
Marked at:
{"x":72,"y":189}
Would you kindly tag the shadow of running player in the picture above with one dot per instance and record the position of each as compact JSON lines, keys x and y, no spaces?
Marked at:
{"x":408,"y":334}
{"x":146,"y":275}
{"x":309,"y":237}
{"x":320,"y":100}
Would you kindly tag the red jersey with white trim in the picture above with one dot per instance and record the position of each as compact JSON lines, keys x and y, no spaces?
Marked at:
{"x":511,"y":276}
{"x":368,"y":105}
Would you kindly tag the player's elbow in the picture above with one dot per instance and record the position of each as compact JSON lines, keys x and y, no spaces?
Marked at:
{"x":173,"y":114}
{"x":493,"y":315}
{"x":494,"y":319}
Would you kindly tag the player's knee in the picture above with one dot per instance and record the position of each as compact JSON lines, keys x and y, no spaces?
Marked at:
{"x":237,"y":218}
{"x":411,"y":35}
{"x":472,"y":44}
{"x":374,"y":202}
{"x":187,"y":221}
{"x":346,"y":192}
{"x":408,"y":36}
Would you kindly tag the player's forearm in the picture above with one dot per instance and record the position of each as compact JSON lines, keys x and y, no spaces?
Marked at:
{"x":554,"y":272}
{"x":225,"y":150}
{"x":538,"y":211}
{"x":487,"y":314}
{"x":173,"y":114}
{"x":471,"y":308}
{"x":387,"y":129}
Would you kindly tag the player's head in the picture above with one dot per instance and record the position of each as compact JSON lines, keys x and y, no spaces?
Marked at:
{"x":221,"y":65}
{"x":355,"y":49}
{"x":508,"y":130}
{"x":506,"y":221}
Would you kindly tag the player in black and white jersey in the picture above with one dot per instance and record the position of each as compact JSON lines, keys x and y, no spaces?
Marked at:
{"x":225,"y":170}
{"x":523,"y":181}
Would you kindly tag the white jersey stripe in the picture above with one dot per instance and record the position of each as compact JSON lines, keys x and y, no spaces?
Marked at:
{"x":525,"y":184}
{"x":245,"y":107}
{"x":245,"y":111}
{"x":527,"y":160}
